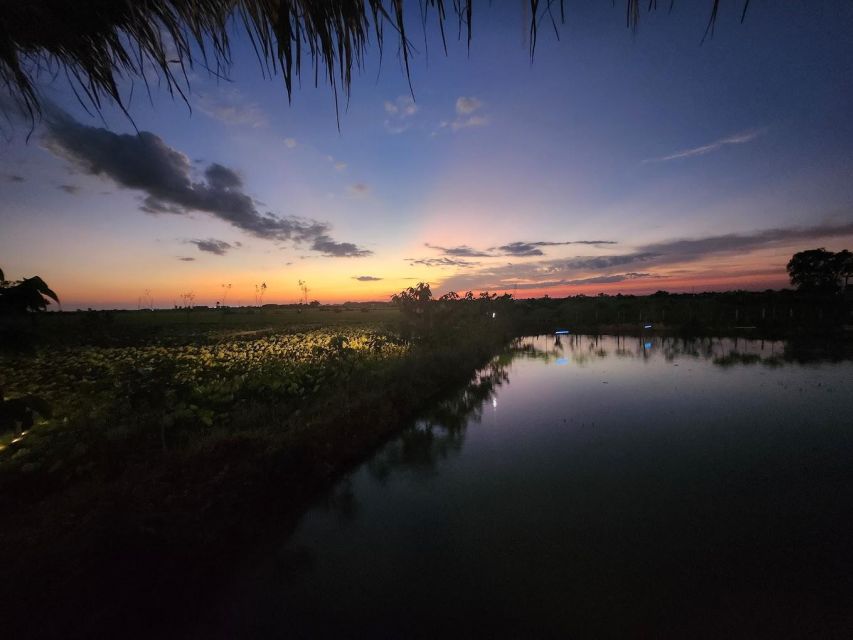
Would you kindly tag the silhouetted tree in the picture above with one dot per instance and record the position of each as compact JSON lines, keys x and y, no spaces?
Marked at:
{"x":819,"y":270}
{"x":415,"y":304}
{"x":260,"y":290}
{"x":29,"y":294}
{"x":844,"y":260}
{"x":303,"y":287}
{"x":414,"y":301}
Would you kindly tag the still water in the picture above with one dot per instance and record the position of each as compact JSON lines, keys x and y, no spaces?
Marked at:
{"x":592,"y":486}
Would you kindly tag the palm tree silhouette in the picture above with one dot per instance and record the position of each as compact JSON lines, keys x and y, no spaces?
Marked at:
{"x":94,"y":42}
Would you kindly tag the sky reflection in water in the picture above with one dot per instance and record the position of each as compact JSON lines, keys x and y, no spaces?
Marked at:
{"x":594,"y":485}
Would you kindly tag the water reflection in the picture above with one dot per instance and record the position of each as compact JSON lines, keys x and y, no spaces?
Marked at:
{"x":583,"y":349}
{"x":441,"y":432}
{"x":616,"y":487}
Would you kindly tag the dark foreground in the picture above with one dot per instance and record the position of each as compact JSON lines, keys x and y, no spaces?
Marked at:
{"x":632,"y":486}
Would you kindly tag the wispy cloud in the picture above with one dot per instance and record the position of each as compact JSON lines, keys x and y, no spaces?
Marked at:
{"x":468,"y":114}
{"x":526,"y":249}
{"x":461,"y":251}
{"x":465,"y":105}
{"x":399,"y":114}
{"x":290,"y":143}
{"x":738,"y":138}
{"x":337,"y":164}
{"x":186,"y":259}
{"x":70,"y":189}
{"x":229,"y":106}
{"x":443,"y":262}
{"x":14,"y":178}
{"x":609,"y":279}
{"x":473,"y":121}
{"x":734,"y":243}
{"x":516,"y":249}
{"x":366,"y":278}
{"x":359,"y":189}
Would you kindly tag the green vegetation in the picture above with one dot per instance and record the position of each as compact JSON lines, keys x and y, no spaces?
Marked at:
{"x":185,"y":387}
{"x":115,"y":394}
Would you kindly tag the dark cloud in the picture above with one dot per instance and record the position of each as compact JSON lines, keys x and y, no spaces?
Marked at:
{"x":366,"y":278}
{"x":217,"y":247}
{"x":526,"y":249}
{"x":616,"y":277}
{"x":608,"y":279}
{"x":693,"y":249}
{"x":69,"y":188}
{"x":462,"y":251}
{"x":513,"y":249}
{"x":689,"y":250}
{"x":15,"y":178}
{"x":592,"y":263}
{"x":582,"y":269}
{"x":219,"y":177}
{"x":165,"y":176}
{"x":520,"y":249}
{"x":186,"y":259}
{"x":443,"y":262}
{"x":328,"y":247}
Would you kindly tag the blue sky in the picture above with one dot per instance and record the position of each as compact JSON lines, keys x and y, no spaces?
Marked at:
{"x":639,"y":139}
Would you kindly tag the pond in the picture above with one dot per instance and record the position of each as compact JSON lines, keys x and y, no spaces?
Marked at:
{"x":588,"y":485}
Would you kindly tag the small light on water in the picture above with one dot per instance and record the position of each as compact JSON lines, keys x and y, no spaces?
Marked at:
{"x":562,"y":361}
{"x":494,"y":403}
{"x":647,"y":326}
{"x":561,"y":332}
{"x":493,"y":315}
{"x":648,"y":345}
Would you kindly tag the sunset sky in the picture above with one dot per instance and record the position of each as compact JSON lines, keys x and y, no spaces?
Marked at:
{"x":614,"y":162}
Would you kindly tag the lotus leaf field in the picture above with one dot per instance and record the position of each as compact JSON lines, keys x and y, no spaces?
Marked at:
{"x":160,"y":393}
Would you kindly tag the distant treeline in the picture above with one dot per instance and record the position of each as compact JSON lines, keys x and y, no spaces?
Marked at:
{"x":768,"y":311}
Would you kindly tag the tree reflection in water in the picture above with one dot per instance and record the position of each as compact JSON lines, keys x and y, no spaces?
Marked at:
{"x":442,"y":431}
{"x":724,"y":352}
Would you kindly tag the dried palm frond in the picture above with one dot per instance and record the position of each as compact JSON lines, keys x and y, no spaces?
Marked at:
{"x":96,"y":43}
